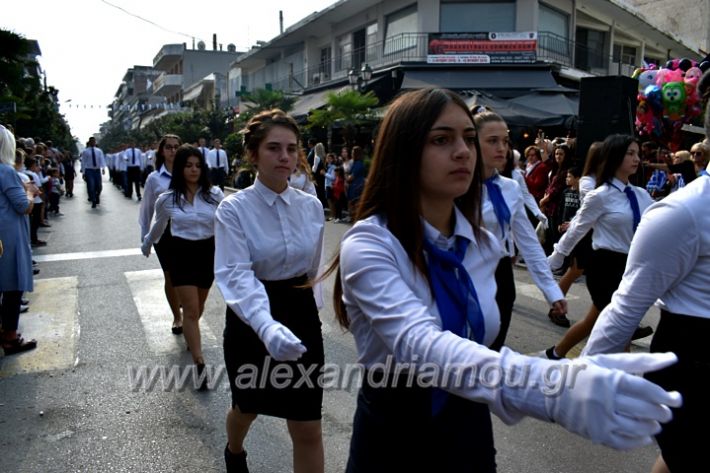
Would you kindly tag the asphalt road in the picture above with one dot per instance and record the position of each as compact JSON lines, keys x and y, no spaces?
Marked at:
{"x":98,"y":313}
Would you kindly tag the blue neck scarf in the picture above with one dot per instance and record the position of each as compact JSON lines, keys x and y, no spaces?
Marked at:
{"x":500,"y":207}
{"x":456,"y":299}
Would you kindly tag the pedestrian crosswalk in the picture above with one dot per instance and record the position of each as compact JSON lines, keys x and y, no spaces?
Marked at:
{"x":53,"y":316}
{"x":156,"y":318}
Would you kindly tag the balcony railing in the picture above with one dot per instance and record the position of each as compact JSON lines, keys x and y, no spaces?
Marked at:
{"x":165,"y":84}
{"x":413,"y":47}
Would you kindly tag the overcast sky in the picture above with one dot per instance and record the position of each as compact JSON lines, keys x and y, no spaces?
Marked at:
{"x":87,"y":45}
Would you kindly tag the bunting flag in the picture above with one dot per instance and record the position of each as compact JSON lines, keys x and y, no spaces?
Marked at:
{"x":133,"y":107}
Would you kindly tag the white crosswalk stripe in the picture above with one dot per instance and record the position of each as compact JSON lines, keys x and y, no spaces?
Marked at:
{"x":149,"y":298}
{"x":53,"y":321}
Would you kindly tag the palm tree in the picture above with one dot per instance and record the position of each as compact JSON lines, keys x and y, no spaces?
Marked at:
{"x":349,"y":108}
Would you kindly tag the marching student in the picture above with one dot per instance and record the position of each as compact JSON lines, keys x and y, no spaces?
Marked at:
{"x":505,"y":217}
{"x":269,"y":240}
{"x":613,"y":210}
{"x":675,"y":231}
{"x":218,"y":161}
{"x":158,"y":182}
{"x":188,"y":208}
{"x":415,"y":286}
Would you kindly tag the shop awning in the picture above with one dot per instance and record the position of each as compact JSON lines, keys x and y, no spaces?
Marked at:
{"x":193,"y":93}
{"x":479,"y":79}
{"x":515,"y":114}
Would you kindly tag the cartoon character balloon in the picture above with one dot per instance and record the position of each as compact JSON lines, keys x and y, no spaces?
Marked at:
{"x":667,"y":99}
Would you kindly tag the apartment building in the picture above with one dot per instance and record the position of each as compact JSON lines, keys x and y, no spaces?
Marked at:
{"x":521,"y":45}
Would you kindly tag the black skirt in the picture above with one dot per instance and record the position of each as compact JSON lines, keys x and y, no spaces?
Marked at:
{"x":683,"y":440}
{"x":191,"y":262}
{"x":604,"y":273}
{"x":394,"y":430}
{"x":505,"y":297}
{"x":583,"y":252}
{"x":162,"y":249}
{"x":262,"y":385}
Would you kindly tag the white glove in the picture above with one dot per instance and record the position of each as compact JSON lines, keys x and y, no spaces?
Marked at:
{"x":598,"y":397}
{"x":556,"y":260}
{"x":280,"y":342}
{"x":145,"y":248}
{"x":543,"y":220}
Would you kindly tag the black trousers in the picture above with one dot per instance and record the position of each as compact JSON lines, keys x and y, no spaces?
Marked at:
{"x":10,"y":310}
{"x":133,"y":175}
{"x":505,"y":297}
{"x":35,"y":220}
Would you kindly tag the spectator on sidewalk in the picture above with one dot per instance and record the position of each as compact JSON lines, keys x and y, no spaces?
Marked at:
{"x":16,"y":261}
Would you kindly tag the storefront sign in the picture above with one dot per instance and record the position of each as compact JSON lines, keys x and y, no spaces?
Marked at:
{"x":482,"y":48}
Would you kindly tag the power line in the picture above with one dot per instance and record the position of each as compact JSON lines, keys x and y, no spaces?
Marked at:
{"x":147,"y":20}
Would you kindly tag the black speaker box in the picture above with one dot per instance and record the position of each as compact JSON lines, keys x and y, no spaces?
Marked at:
{"x":607,"y":105}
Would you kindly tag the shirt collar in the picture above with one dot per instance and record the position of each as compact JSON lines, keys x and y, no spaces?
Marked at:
{"x":614,"y":182}
{"x":270,"y":196}
{"x":164,"y":170}
{"x":462,"y":228}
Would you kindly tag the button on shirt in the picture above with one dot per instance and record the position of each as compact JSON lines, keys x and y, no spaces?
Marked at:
{"x":156,"y":183}
{"x":262,"y":235}
{"x":669,"y":261}
{"x":606,"y":209}
{"x":194,"y":221}
{"x":521,"y":232}
{"x":87,"y":161}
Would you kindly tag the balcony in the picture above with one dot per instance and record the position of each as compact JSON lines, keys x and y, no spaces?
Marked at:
{"x":167,"y":84}
{"x":413,"y":47}
{"x":168,"y":56}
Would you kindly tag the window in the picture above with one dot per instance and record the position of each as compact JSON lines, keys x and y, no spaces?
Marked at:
{"x":553,"y":21}
{"x":591,"y":50}
{"x":344,"y":53}
{"x":324,"y":66}
{"x":624,"y":54}
{"x":371,"y":40}
{"x":400,"y":28}
{"x":474,"y":16}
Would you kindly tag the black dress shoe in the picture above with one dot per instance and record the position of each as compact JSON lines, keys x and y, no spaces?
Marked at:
{"x":642,"y":332}
{"x":236,"y":462}
{"x":35,"y":271}
{"x":24,"y":301}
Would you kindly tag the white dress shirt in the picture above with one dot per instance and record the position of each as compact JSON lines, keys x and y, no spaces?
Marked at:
{"x":120,"y":162}
{"x":156,"y":183}
{"x":394,"y":317}
{"x":217,"y":158}
{"x":87,"y":159}
{"x":262,"y":235}
{"x":384,"y":294}
{"x":521,"y":232}
{"x":300,"y":181}
{"x":586,"y":185}
{"x":194,"y":221}
{"x":528,"y":198}
{"x":37,"y":182}
{"x":607,"y":210}
{"x":669,"y":261}
{"x":133,"y":157}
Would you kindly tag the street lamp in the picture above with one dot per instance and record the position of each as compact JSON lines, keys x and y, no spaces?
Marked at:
{"x":359,"y":79}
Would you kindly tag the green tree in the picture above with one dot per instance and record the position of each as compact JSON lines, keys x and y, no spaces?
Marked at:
{"x":263,"y":99}
{"x":349,"y":109}
{"x":36,"y":113}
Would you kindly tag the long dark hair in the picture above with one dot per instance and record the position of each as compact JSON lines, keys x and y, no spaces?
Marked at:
{"x":159,"y":156}
{"x":593,"y":160}
{"x":178,"y":184}
{"x":393,"y":184}
{"x":561,"y":168}
{"x":613,"y":153}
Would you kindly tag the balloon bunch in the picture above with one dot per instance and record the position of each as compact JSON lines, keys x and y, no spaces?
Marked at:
{"x":668,"y":98}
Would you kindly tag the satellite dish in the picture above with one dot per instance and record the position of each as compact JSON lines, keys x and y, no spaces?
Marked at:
{"x":231,"y":48}
{"x":201,"y":45}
